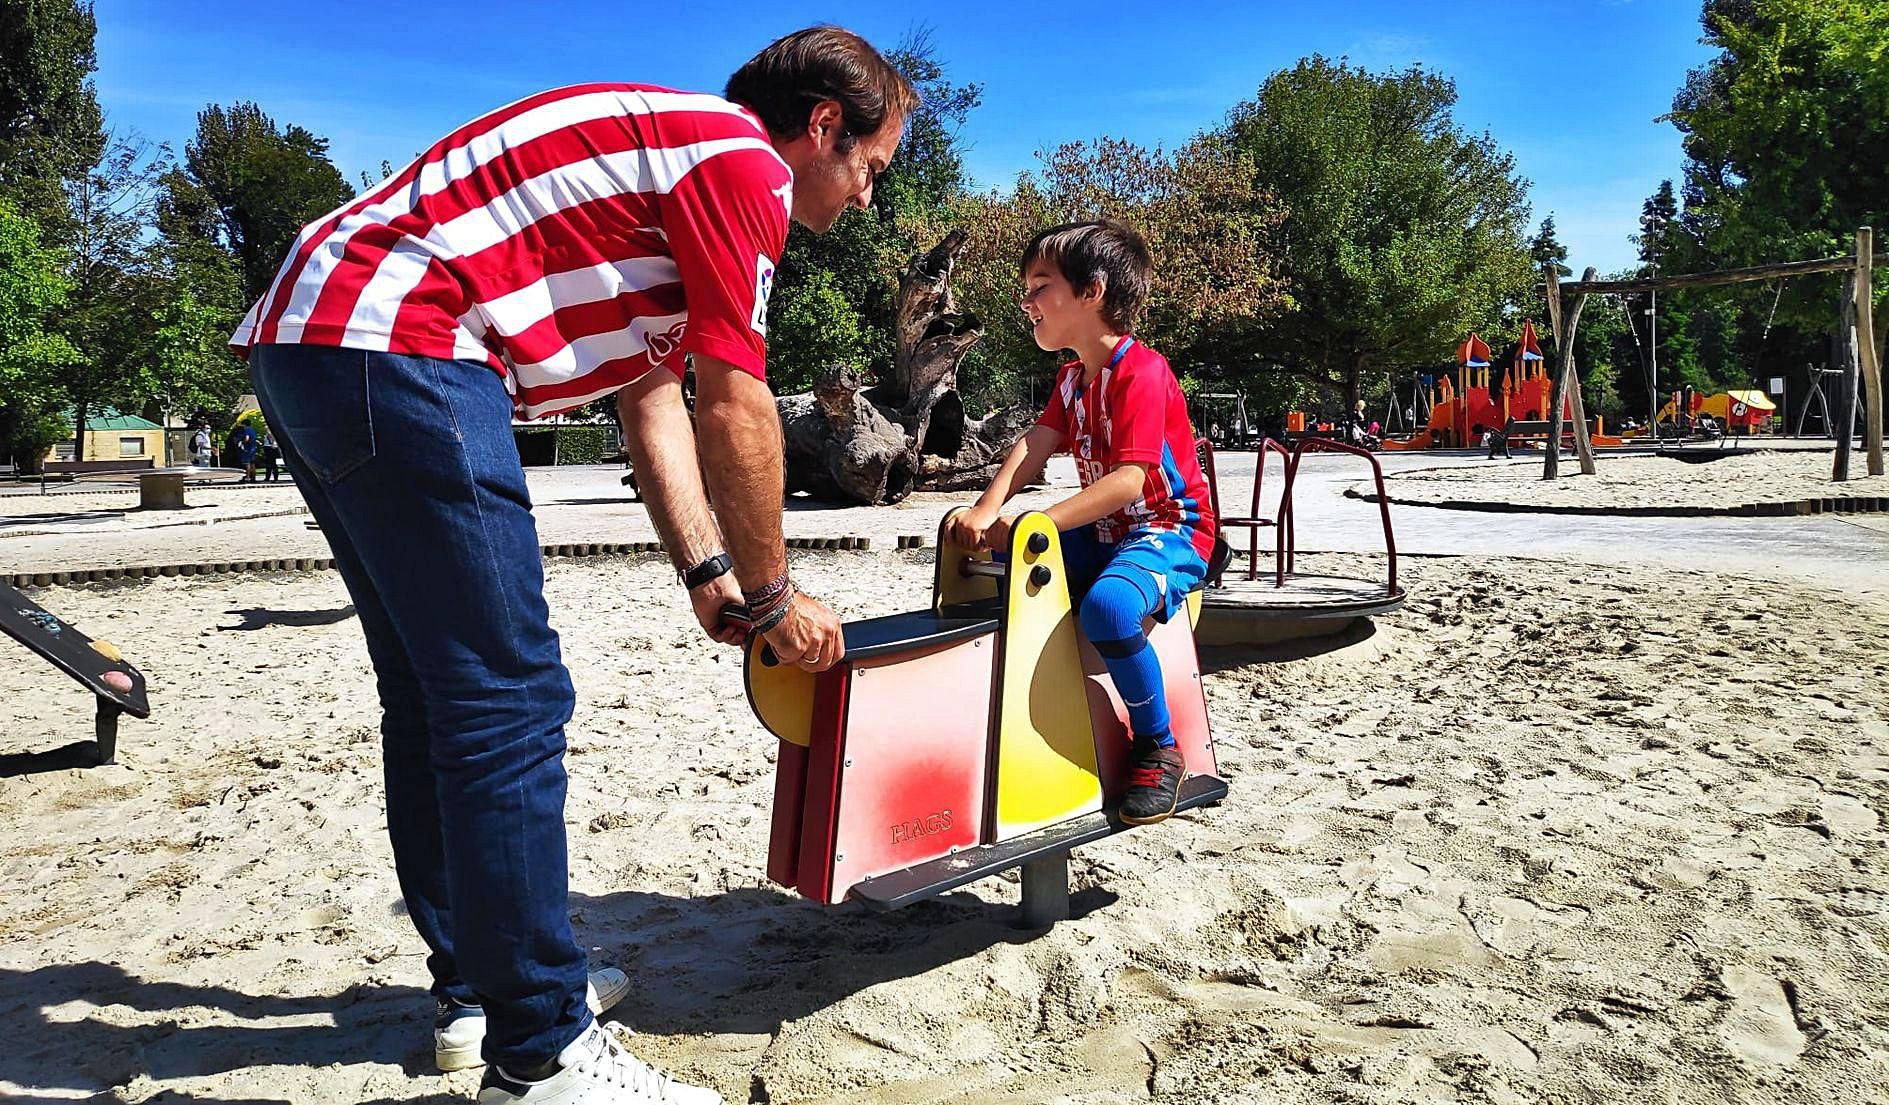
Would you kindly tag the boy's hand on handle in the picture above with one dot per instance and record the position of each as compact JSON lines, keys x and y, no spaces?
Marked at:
{"x":809,"y":635}
{"x":710,"y":601}
{"x":996,"y":536}
{"x":968,"y":526}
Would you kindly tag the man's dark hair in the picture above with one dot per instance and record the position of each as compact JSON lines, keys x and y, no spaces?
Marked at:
{"x":783,"y":83}
{"x":1102,"y":252}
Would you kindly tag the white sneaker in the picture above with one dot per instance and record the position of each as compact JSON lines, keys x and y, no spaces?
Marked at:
{"x":595,"y":1070}
{"x":459,"y":1030}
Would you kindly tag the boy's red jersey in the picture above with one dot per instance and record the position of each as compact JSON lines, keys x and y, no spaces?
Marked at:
{"x":1134,"y":413}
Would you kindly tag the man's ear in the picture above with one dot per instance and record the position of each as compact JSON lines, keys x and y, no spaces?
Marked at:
{"x":825,"y":123}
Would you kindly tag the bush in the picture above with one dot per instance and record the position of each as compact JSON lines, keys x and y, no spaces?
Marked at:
{"x":32,"y":436}
{"x":541,"y":446}
{"x":581,"y":444}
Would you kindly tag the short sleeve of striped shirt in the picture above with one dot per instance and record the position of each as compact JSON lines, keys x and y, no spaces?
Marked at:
{"x":727,"y":223}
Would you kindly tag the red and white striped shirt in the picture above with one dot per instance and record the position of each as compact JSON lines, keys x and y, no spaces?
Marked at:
{"x":1134,"y":412}
{"x":571,"y":241}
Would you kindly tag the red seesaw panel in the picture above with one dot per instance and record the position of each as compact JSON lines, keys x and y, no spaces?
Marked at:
{"x":790,"y":801}
{"x":826,"y":751}
{"x":903,"y":779}
{"x":1173,"y":643}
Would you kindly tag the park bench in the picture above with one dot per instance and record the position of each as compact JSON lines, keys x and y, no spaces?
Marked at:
{"x":1528,"y":431}
{"x":67,"y":469}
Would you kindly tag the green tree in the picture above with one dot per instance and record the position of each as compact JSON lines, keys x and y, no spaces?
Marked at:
{"x":1402,"y":232}
{"x":813,"y":325}
{"x":195,"y":305}
{"x":108,"y":311}
{"x":1598,"y":349}
{"x":32,"y":294}
{"x":1546,"y":249}
{"x":197,"y":299}
{"x":1665,"y":246}
{"x":1209,"y":227}
{"x":1543,"y":250}
{"x":1786,"y":136}
{"x":51,"y":128}
{"x":265,"y":182}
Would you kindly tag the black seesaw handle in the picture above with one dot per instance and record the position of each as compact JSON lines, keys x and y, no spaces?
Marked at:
{"x":1039,"y":575}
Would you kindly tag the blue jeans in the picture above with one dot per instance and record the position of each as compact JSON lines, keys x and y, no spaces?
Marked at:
{"x":409,"y":465}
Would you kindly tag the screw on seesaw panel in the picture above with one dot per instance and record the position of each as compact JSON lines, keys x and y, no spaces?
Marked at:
{"x":1039,"y":575}
{"x":1038,"y":543}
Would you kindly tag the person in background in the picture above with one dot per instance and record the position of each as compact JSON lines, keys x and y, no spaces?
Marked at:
{"x":242,"y":445}
{"x":271,"y":455}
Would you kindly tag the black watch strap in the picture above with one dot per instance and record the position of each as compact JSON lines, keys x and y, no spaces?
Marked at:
{"x":713,"y":568}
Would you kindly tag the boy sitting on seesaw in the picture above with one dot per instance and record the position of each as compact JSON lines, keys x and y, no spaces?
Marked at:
{"x":1137,"y":537}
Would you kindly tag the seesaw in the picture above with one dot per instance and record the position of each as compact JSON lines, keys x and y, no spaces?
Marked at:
{"x":97,"y":665}
{"x":956,"y":742}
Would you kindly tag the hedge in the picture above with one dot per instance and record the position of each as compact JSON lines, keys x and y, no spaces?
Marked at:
{"x":572,"y":444}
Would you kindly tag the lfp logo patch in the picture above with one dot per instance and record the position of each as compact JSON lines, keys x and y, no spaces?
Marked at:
{"x":763,"y":287}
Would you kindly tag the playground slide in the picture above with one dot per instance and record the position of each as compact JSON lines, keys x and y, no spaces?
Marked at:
{"x":1420,"y":440}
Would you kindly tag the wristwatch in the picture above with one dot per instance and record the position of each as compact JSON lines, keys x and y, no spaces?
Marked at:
{"x":713,"y":568}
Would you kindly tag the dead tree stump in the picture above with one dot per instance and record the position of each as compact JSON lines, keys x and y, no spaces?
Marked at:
{"x":909,"y":431}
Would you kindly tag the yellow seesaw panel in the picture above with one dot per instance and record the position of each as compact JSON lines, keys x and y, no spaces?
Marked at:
{"x":949,"y":585}
{"x":780,"y":694}
{"x":1046,"y":766}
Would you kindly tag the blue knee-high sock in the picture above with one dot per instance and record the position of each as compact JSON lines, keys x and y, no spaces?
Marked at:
{"x":1111,"y":616}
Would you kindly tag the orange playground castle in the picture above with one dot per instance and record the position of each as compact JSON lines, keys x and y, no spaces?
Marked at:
{"x":1488,"y":397}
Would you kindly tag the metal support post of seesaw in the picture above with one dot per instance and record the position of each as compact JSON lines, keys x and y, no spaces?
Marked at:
{"x":1046,"y":891}
{"x":105,"y":729}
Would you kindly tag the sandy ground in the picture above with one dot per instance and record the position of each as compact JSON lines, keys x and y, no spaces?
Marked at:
{"x":1639,"y":481}
{"x":1549,"y":834}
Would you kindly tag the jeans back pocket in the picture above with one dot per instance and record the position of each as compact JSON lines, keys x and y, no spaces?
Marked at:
{"x":317,"y":401}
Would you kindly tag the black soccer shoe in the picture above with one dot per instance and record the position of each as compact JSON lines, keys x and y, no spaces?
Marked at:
{"x":1154,"y":782}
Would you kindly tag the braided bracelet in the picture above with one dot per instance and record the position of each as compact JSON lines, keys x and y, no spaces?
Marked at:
{"x":765,"y":621}
{"x":758,"y":611}
{"x":768,"y":592}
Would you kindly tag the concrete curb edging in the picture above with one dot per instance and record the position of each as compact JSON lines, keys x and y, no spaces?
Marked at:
{"x":140,"y":572}
{"x":168,"y":523}
{"x":1794,"y":508}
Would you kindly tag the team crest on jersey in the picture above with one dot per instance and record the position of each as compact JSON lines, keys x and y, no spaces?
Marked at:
{"x":763,"y":287}
{"x":665,"y":343}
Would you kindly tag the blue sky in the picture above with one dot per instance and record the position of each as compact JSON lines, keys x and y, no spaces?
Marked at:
{"x":383,"y":81}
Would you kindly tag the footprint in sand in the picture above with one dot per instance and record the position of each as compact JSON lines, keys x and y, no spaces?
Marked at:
{"x":1760,"y":1027}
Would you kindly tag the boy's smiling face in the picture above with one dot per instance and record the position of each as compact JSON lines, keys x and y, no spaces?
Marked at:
{"x":1057,"y":314}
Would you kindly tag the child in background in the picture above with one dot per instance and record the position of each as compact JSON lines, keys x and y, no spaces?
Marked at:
{"x":1138,"y":535}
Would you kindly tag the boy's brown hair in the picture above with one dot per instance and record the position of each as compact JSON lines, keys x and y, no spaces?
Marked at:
{"x":783,"y":83}
{"x":1102,"y":252}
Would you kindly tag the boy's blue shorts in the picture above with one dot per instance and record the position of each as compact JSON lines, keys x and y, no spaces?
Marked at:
{"x":1161,"y":564}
